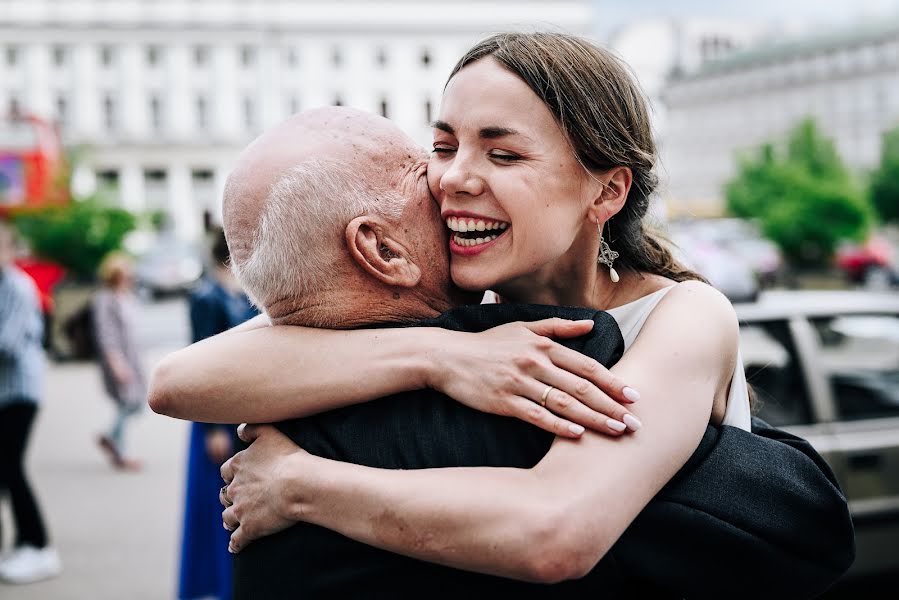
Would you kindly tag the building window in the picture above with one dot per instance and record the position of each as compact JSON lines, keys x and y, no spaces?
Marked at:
{"x":202,"y":113}
{"x":338,"y":101}
{"x":385,"y":112}
{"x":107,"y":57}
{"x":59,"y":56}
{"x":336,"y":57}
{"x":293,"y":105}
{"x":429,"y":112}
{"x":62,"y":109}
{"x":201,"y":55}
{"x":249,"y":113}
{"x":425,"y":58}
{"x":156,"y":117}
{"x":292,"y":57}
{"x":153,"y":55}
{"x":108,"y":182}
{"x":381,"y":57}
{"x":12,"y":56}
{"x":14,"y":107}
{"x":247,"y":56}
{"x":110,"y":118}
{"x":156,"y":190}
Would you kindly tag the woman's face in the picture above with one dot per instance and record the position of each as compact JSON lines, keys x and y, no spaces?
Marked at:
{"x":508,"y":183}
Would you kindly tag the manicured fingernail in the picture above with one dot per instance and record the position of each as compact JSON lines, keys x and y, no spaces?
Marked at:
{"x":585,"y":321}
{"x":231,"y":549}
{"x":632,"y":422}
{"x":616,"y":425}
{"x":631,"y":394}
{"x":576,"y":429}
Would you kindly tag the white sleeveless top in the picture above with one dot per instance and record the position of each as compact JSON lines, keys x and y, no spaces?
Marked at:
{"x":630,"y":318}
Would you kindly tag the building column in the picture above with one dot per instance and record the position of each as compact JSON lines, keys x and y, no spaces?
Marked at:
{"x":227,"y":118}
{"x":131,"y":187}
{"x":179,"y":106}
{"x":85,"y":117}
{"x":186,"y":216}
{"x":132,"y":105}
{"x":36,"y":99}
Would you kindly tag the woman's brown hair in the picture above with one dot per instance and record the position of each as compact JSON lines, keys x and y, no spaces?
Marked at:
{"x":604,"y":115}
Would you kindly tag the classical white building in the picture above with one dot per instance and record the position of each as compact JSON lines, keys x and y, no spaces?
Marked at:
{"x":161,"y":95}
{"x":848,"y":81}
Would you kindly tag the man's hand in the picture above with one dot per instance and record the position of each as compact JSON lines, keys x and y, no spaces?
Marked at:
{"x":254,"y":496}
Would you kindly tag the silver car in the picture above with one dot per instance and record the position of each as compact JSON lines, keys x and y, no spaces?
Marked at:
{"x":825,"y":366}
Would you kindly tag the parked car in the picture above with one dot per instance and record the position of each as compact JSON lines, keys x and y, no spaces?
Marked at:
{"x":825,"y":366}
{"x":169,"y":266}
{"x":873,"y":264}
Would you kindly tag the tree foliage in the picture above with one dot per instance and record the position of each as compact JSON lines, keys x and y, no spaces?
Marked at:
{"x":77,"y":235}
{"x":885,"y":180}
{"x":804,"y":197}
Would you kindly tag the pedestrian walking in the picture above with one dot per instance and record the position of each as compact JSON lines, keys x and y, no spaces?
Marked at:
{"x":115,"y":312}
{"x":22,"y":371}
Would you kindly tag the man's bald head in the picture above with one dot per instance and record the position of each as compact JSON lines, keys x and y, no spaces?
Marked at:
{"x":295,"y":190}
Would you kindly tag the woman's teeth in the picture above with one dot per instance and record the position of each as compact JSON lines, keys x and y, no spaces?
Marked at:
{"x":461,"y":241}
{"x":462,"y":225}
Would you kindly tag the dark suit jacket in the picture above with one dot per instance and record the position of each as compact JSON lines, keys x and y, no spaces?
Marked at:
{"x":757,"y":514}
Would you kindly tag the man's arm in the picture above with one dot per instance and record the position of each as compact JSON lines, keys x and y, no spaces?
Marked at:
{"x":14,"y":320}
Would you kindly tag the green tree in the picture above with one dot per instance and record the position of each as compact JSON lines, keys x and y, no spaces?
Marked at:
{"x":885,"y":180}
{"x":77,"y":234}
{"x":804,"y":197}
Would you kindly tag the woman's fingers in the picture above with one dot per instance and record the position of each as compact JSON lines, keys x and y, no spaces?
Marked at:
{"x":594,"y":373}
{"x":527,"y":410}
{"x":559,"y":328}
{"x":603,"y":416}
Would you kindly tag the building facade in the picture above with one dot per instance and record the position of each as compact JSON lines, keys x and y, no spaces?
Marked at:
{"x":847,"y":81}
{"x":160,"y":96}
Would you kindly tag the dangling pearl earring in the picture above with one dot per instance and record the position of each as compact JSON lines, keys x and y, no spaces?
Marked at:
{"x":607,"y":256}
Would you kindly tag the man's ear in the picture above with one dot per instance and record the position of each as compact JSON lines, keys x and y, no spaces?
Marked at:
{"x":610,"y":200}
{"x":369,"y":241}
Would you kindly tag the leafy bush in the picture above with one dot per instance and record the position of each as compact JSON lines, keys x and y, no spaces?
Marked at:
{"x":76,"y":235}
{"x":885,"y":180}
{"x":804,"y":198}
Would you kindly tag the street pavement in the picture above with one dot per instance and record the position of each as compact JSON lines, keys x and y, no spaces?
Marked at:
{"x":118,"y":533}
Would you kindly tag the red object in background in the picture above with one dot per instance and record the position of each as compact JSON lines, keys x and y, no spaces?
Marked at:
{"x":856,"y":259}
{"x":31,"y":162}
{"x":46,"y":275}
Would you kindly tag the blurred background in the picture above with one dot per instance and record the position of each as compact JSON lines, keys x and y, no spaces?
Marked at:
{"x":778,"y":128}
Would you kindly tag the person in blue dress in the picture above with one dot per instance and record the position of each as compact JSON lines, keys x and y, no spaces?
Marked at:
{"x":216,"y":305}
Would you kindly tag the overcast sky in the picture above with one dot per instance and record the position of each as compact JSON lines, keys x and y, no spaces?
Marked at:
{"x":612,"y":14}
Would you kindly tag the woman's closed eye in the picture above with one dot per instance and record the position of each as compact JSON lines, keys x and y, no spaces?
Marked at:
{"x":504,"y":156}
{"x":442,"y":149}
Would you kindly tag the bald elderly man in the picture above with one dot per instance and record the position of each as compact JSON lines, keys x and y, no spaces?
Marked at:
{"x":330,"y":223}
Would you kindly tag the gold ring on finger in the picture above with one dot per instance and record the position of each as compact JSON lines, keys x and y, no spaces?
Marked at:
{"x":545,"y":395}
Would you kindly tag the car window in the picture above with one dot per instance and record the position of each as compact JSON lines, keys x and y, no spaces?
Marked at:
{"x":774,"y":373}
{"x":860,"y":356}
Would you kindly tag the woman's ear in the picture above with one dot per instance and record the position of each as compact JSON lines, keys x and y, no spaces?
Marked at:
{"x":370,"y":242}
{"x":616,"y":183}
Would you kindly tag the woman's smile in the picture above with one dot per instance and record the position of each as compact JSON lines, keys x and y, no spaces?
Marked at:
{"x":471,"y":234}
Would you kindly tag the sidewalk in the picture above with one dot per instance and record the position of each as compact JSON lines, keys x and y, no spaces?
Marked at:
{"x":118,"y":534}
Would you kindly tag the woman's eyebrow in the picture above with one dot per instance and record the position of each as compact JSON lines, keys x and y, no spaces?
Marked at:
{"x":443,"y":126}
{"x":491,"y":133}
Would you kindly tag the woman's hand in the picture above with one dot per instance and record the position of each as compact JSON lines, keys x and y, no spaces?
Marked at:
{"x":255,"y":499}
{"x":516,"y":370}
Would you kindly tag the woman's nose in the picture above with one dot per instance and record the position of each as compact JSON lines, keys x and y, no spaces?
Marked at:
{"x":460,"y":178}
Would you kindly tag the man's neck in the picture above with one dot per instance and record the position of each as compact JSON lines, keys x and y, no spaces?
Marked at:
{"x":354,"y":307}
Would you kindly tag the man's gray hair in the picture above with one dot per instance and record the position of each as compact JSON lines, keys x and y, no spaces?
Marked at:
{"x":299,"y":241}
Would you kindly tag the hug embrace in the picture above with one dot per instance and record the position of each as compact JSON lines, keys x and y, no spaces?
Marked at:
{"x":589,"y":431}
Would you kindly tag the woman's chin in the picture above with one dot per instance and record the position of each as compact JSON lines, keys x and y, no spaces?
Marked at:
{"x":471,"y":280}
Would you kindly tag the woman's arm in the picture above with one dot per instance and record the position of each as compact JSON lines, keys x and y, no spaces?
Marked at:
{"x":546,"y":524}
{"x":266,"y":374}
